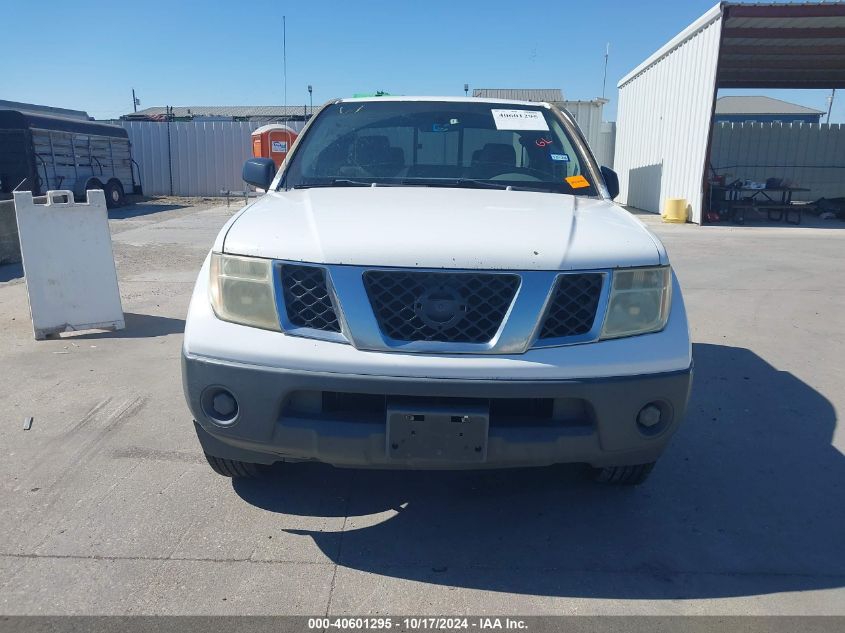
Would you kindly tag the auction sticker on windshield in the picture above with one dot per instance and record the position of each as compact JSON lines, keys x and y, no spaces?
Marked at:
{"x":578,"y":182}
{"x":519,"y":120}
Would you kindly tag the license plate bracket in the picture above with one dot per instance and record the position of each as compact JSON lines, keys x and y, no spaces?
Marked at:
{"x":437,"y":434}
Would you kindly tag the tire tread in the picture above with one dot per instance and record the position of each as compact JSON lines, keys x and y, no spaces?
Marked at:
{"x":232,"y":467}
{"x":631,"y":475}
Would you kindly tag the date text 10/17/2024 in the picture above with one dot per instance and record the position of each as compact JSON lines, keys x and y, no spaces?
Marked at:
{"x":421,"y":623}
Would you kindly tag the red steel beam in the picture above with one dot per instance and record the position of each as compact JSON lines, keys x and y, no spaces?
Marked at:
{"x":787,"y":51}
{"x":789,"y":63}
{"x":815,"y":84}
{"x":795,"y":11}
{"x":784,"y":33}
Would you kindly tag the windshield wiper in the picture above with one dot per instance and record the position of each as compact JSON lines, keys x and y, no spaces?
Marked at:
{"x":485,"y":184}
{"x":531,"y":185}
{"x":337,"y":182}
{"x":453,"y":182}
{"x":527,"y":185}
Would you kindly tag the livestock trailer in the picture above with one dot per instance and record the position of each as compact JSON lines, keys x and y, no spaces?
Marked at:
{"x":40,"y":152}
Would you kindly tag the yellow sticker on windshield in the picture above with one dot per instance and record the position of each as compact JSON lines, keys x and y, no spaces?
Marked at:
{"x":577,"y":182}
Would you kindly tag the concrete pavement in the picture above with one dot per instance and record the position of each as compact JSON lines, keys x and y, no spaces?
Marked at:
{"x":109,"y":508}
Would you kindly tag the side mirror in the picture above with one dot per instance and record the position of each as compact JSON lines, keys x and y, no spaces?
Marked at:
{"x":259,"y":172}
{"x":611,"y":181}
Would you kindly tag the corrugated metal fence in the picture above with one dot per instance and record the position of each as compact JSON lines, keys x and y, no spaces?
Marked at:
{"x":808,"y":155}
{"x":606,"y":143}
{"x":192,"y":158}
{"x":203,"y":158}
{"x":600,"y":135}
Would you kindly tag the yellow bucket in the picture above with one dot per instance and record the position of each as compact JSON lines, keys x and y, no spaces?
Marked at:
{"x":675,"y":210}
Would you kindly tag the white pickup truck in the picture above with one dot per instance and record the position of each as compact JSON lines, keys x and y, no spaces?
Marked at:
{"x":437,"y":283}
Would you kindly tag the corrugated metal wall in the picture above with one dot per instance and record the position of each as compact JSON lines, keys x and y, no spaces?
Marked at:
{"x":201,"y":158}
{"x":811,"y":156}
{"x":664,"y":120}
{"x":606,"y":144}
{"x":69,"y":160}
{"x":589,"y":115}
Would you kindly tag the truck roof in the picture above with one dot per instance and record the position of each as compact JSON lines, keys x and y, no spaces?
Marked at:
{"x":543,"y":104}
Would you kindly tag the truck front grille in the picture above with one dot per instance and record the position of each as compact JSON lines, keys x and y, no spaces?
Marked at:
{"x":573,"y":307}
{"x":442,"y":307}
{"x":307,"y":300}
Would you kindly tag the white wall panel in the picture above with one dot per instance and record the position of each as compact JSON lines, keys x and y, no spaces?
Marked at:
{"x":589,"y":115}
{"x":664,"y":113}
{"x":606,"y":144}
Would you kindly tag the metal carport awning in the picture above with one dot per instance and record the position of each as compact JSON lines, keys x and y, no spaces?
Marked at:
{"x":782,"y":46}
{"x":666,"y":104}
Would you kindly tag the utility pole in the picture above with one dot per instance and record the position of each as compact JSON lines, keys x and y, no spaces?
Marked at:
{"x":285,"y":61}
{"x":135,"y":101}
{"x":830,"y":103}
{"x":604,"y":81}
{"x":311,"y":98}
{"x":466,"y":90}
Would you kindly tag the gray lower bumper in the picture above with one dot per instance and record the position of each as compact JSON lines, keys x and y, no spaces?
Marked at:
{"x":263,"y":433}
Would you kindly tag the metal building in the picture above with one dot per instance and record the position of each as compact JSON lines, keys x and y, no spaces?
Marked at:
{"x":760,"y":109}
{"x":520,"y":94}
{"x":262,"y":114}
{"x":666,"y":104}
{"x":590,"y":118}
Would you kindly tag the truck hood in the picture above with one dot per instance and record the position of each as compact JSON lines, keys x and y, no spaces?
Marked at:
{"x":432,"y":227}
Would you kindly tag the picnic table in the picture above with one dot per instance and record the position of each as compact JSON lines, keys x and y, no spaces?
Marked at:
{"x":774,"y":200}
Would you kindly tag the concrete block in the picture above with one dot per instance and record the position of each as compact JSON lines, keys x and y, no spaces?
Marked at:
{"x":68,"y":263}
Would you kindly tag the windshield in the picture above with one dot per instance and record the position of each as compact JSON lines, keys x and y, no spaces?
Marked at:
{"x":447,"y":144}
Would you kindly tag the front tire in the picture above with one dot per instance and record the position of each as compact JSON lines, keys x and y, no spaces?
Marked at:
{"x":233,"y":468}
{"x":623,"y":475}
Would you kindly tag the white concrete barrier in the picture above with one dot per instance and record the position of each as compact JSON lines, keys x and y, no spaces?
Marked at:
{"x":68,"y":263}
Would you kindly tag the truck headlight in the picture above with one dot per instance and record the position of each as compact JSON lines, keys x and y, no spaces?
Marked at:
{"x":639,"y":302}
{"x":242,"y":291}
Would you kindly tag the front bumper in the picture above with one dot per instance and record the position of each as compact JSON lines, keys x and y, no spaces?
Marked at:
{"x":266,"y":430}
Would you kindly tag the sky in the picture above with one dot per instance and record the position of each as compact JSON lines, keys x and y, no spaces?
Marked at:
{"x":89,"y":55}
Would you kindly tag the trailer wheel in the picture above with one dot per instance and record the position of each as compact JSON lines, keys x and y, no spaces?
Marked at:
{"x":114,"y":194}
{"x":93,"y":184}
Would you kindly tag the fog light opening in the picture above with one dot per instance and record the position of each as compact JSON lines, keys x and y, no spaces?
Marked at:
{"x":653,"y":418}
{"x":220,"y":405}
